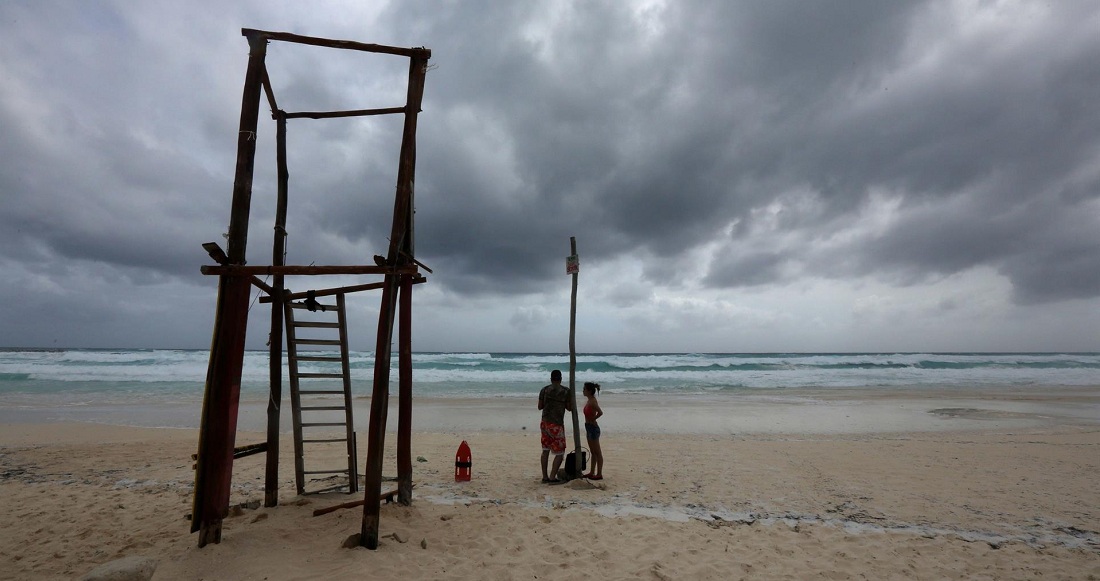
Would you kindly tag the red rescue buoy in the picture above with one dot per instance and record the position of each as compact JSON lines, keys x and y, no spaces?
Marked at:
{"x":463,"y":462}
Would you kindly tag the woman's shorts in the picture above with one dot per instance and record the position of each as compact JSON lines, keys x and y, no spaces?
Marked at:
{"x":593,"y":431}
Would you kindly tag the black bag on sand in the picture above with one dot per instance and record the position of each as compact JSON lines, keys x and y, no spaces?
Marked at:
{"x":568,"y":470}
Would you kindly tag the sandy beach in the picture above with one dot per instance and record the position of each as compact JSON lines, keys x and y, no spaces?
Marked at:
{"x":999,"y":484}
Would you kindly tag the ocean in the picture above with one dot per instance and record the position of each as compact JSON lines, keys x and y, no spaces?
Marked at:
{"x":165,"y":386}
{"x":86,"y":376}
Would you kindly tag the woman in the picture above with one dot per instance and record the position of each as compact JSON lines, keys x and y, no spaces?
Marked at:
{"x":592,"y":412}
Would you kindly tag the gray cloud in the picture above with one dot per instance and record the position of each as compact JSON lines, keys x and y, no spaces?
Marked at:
{"x":719,"y":147}
{"x":730,"y":106}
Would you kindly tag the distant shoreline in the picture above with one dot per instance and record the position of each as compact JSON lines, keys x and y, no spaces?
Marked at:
{"x":54,"y":349}
{"x":791,"y":411}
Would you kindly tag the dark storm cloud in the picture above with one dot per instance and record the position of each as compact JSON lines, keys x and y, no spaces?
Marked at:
{"x":993,"y":158}
{"x":658,"y":142}
{"x":776,"y":141}
{"x":98,"y":164}
{"x":109,"y":200}
{"x":636,"y":139}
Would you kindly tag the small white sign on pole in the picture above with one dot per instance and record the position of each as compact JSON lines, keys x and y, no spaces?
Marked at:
{"x":573,"y":264}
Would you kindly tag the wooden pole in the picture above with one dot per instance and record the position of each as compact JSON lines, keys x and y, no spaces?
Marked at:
{"x":342,"y":44}
{"x":386,"y":496}
{"x":219,"y":256}
{"x":295,"y":404}
{"x":218,"y":426}
{"x":417,"y":70}
{"x":328,"y":292}
{"x":404,"y":395}
{"x":376,"y":430}
{"x":400,"y":254}
{"x":345,"y":368}
{"x":335,"y":114}
{"x":400,"y":251}
{"x":573,"y":362}
{"x":244,"y":270}
{"x":275,"y":340}
{"x":271,"y":96}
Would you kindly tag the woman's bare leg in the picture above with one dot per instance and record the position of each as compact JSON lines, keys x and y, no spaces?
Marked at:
{"x":597,"y":457}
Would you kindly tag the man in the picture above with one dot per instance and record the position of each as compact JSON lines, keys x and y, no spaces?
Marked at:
{"x":554,"y":400}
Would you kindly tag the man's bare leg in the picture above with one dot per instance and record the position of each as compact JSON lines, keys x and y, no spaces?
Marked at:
{"x":557,"y":464}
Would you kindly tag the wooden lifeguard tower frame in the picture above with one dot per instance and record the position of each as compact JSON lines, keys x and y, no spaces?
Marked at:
{"x":399,"y":269}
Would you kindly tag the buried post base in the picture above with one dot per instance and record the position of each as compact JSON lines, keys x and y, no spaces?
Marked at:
{"x":210,"y":533}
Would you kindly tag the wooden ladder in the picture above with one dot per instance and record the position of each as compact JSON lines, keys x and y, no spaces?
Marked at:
{"x":319,"y":421}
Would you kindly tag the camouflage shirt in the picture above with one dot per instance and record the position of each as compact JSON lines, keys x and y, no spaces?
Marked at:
{"x":554,"y":399}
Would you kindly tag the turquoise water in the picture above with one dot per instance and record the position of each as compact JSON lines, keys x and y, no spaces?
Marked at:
{"x":88,"y":377}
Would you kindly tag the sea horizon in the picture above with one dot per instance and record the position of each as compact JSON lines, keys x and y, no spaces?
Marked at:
{"x":165,"y":387}
{"x":672,"y":352}
{"x":58,"y":371}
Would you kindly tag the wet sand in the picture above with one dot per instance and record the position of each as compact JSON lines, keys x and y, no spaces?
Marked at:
{"x":998,"y":484}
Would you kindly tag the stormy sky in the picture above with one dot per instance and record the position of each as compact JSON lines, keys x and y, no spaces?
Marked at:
{"x":739,"y":175}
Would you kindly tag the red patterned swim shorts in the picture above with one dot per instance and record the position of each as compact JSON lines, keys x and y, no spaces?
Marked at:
{"x":553,"y":438}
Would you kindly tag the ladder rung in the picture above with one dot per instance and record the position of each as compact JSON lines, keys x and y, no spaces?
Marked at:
{"x":319,"y":424}
{"x":324,"y":441}
{"x":317,"y":324}
{"x":316,"y":342}
{"x":344,"y":471}
{"x":314,"y":358}
{"x":319,"y":392}
{"x":322,"y":407}
{"x":320,"y":375}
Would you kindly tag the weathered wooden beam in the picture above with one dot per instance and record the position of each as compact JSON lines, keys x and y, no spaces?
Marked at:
{"x":376,"y":429}
{"x":328,"y":292}
{"x":295,"y":408}
{"x":349,"y":419}
{"x":270,"y":96}
{"x":344,"y":44}
{"x":400,"y":252}
{"x":219,"y":256}
{"x":385,"y":496}
{"x":404,"y":394}
{"x":573,"y":363}
{"x":275,"y":338}
{"x":401,"y":232}
{"x":335,"y":114}
{"x":243,"y":451}
{"x":218,"y":425}
{"x":416,"y":279}
{"x":415,"y":261}
{"x":238,"y":270}
{"x":215,"y":252}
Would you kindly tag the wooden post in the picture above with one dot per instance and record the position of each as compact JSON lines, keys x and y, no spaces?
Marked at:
{"x":404,"y":395}
{"x":417,"y":71}
{"x":275,"y":339}
{"x":400,"y":253}
{"x":314,"y":270}
{"x":379,"y":406}
{"x":295,"y":406}
{"x":218,"y":427}
{"x":573,"y":362}
{"x":401,"y":234}
{"x":345,"y":370}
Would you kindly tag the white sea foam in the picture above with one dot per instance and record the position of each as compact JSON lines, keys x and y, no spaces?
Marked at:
{"x":80,"y":377}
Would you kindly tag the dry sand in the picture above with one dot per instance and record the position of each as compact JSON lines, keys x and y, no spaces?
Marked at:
{"x":1013,"y":498}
